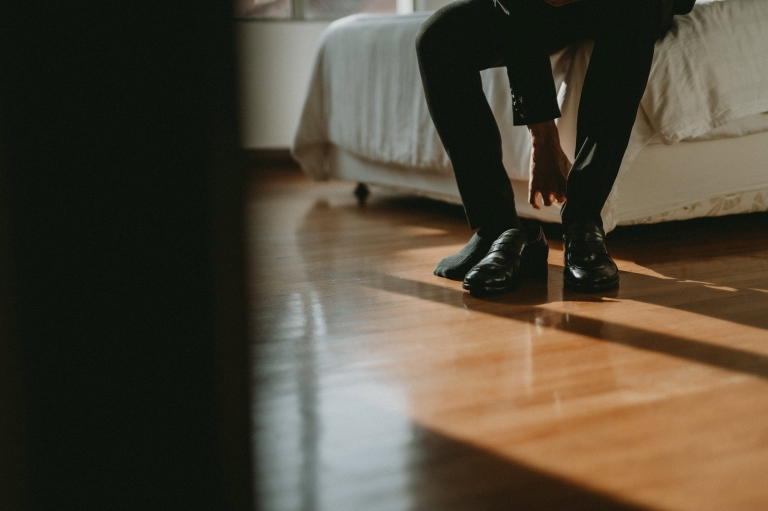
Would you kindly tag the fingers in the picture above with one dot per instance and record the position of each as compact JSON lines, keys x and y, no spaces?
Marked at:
{"x":532,"y":199}
{"x":548,"y":198}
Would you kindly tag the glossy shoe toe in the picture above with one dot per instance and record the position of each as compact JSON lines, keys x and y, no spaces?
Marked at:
{"x":496,"y":275}
{"x":510,"y":258}
{"x":588,"y":267}
{"x":592,"y":272}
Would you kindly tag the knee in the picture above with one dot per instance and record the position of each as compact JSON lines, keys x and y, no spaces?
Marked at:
{"x":443,"y":30}
{"x":430,"y":38}
{"x":422,"y":41}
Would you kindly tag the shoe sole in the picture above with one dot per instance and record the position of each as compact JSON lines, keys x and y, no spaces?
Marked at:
{"x":587,"y":288}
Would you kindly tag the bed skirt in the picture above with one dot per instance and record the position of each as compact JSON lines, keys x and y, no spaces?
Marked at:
{"x":729,"y":178}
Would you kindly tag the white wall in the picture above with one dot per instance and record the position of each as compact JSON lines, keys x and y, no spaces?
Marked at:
{"x":275,"y":59}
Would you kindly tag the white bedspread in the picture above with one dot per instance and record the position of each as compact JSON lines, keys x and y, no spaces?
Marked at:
{"x":365,"y":94}
{"x":711,"y":69}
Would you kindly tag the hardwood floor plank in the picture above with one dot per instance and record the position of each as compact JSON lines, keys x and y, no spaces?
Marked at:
{"x":381,"y":386}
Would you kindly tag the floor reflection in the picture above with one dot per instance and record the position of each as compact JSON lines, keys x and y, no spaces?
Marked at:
{"x":319,"y":445}
{"x":523,"y":307}
{"x":350,"y":413}
{"x":739,"y":307}
{"x":656,"y":247}
{"x":353,"y":455}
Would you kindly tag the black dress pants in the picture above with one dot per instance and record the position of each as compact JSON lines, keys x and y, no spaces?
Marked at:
{"x":466,"y":36}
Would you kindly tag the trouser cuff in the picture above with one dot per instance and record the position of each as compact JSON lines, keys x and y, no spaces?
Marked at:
{"x":530,"y":109}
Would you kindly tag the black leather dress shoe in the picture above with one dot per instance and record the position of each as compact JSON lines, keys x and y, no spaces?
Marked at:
{"x":588,"y":267}
{"x":516,"y":254}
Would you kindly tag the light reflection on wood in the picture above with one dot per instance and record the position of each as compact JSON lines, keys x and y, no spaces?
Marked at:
{"x":380,"y":386}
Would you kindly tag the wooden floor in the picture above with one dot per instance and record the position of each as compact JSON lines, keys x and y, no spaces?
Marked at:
{"x":379,"y":386}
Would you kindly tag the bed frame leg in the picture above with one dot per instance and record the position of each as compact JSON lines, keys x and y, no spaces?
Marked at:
{"x":362,"y":192}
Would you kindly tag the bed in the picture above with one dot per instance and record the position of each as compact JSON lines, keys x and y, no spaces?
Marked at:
{"x":699,"y":146}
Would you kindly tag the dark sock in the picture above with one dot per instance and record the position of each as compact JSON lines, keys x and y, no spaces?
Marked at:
{"x":456,"y":266}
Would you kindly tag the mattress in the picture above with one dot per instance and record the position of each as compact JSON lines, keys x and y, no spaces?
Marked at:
{"x":730,"y":179}
{"x":749,"y":125}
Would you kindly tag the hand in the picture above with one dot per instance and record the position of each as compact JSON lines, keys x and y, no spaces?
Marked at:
{"x":549,"y":166}
{"x":560,"y":3}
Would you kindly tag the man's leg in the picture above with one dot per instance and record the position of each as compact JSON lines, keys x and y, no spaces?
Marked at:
{"x":618,"y":71}
{"x":453,"y":46}
{"x":625,"y":34}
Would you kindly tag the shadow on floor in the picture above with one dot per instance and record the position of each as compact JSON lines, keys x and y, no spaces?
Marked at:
{"x":448,"y":475}
{"x":699,"y":255}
